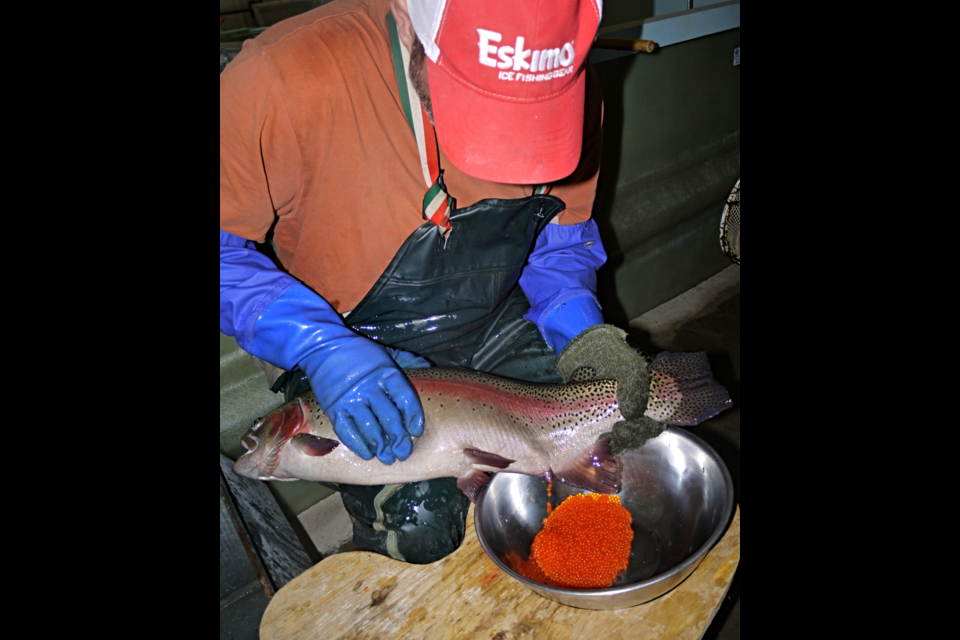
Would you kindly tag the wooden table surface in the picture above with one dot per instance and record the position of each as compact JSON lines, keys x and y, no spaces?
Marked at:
{"x":366,"y":596}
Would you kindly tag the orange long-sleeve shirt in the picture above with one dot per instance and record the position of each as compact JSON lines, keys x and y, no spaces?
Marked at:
{"x":314,"y":144}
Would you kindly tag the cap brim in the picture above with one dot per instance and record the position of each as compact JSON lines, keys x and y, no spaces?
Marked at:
{"x":508,"y":141}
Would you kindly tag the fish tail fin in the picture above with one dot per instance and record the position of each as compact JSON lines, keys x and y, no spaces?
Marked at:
{"x":683,"y":391}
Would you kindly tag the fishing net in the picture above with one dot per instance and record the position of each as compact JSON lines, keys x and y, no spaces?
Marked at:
{"x":730,"y":226}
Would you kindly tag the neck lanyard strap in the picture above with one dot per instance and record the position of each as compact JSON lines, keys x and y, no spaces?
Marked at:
{"x":437,"y":204}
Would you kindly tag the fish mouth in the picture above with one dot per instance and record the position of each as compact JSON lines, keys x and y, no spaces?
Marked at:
{"x":247,"y":465}
{"x":266,"y":440}
{"x":249,"y":442}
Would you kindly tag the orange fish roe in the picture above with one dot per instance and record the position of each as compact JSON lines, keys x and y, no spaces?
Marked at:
{"x":529,"y":569}
{"x":585,"y":543}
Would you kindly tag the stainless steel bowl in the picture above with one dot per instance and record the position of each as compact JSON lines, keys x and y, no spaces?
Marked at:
{"x":679,"y":492}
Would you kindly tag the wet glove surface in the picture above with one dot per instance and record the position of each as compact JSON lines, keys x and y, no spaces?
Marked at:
{"x":374,"y":409}
{"x":602,"y":353}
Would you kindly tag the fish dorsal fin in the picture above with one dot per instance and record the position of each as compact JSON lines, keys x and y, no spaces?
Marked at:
{"x":683,"y":391}
{"x":484,"y":459}
{"x":314,"y":446}
{"x":471,"y":484}
{"x":584,"y":374}
{"x":596,"y":469}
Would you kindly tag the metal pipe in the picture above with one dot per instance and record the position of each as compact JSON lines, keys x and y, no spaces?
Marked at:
{"x":626,"y":44}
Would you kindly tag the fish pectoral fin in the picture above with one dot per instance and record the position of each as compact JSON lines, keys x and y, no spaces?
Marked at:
{"x":596,"y":469}
{"x":314,"y":446}
{"x":471,"y":484}
{"x":484,"y":459}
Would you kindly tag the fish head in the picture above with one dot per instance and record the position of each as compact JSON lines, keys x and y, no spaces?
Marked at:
{"x":265,"y":442}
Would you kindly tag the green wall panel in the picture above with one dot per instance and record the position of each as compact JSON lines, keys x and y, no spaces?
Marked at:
{"x":671,"y":157}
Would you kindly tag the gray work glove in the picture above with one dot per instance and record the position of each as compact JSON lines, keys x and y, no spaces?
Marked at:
{"x":602,"y":353}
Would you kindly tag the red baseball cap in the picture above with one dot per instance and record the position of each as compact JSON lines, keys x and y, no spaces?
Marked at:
{"x":508,"y":83}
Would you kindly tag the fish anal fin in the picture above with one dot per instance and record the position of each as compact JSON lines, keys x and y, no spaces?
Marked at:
{"x":471,"y":484}
{"x":314,"y":446}
{"x":484,"y":459}
{"x":683,"y":391}
{"x":596,"y":469}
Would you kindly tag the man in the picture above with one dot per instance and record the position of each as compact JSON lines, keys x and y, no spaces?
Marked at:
{"x":327,"y":146}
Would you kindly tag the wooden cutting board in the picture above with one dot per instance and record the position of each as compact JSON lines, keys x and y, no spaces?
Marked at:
{"x":360,"y":596}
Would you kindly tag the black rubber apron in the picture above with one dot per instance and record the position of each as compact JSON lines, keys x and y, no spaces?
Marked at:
{"x":456,"y":301}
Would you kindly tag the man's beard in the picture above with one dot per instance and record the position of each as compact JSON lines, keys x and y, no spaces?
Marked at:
{"x":418,"y":75}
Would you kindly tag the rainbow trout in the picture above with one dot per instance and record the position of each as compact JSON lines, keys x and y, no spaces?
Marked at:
{"x":476,"y":424}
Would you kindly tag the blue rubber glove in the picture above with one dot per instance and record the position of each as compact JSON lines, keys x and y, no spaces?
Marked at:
{"x":359,"y":384}
{"x":407,"y":360}
{"x":373,"y":407}
{"x":249,"y":282}
{"x":560,"y":281}
{"x":569,"y":320}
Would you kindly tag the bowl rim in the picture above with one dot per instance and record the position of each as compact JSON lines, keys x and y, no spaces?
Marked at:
{"x":694,"y":560}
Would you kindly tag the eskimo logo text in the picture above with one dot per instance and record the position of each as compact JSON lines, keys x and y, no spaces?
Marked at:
{"x":514,"y":61}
